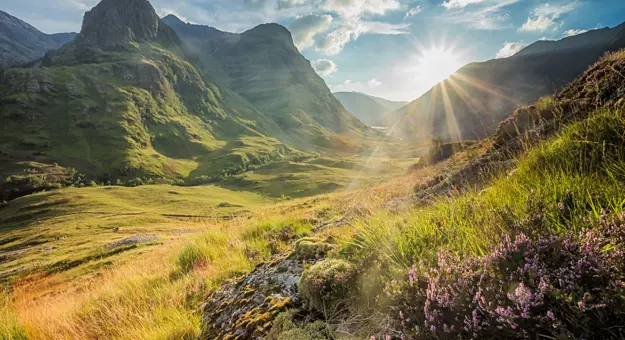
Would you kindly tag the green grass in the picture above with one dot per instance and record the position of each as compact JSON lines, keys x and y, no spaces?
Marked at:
{"x":319,"y":175}
{"x":52,"y":229}
{"x":10,"y":327}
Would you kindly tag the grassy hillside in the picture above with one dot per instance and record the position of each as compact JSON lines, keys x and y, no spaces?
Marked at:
{"x":68,"y":253}
{"x":488,"y":255}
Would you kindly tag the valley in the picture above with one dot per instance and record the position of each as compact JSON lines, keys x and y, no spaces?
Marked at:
{"x":162,"y":179}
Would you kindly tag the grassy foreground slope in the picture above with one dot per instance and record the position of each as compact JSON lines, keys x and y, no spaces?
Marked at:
{"x":534,"y":252}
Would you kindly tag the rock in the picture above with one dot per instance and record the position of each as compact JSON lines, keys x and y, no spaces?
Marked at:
{"x":326,"y":285}
{"x":131,"y":241}
{"x":245,"y":308}
{"x":115,"y":23}
{"x":312,"y":248}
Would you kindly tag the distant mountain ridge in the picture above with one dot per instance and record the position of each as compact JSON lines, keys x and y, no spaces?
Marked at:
{"x":263,"y":66}
{"x":21,"y":43}
{"x":472,"y":102}
{"x":130,"y":100}
{"x":369,"y":109}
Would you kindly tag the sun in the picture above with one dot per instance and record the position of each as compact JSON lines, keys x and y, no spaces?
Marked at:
{"x":436,"y":64}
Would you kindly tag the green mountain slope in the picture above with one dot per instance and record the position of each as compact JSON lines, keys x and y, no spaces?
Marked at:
{"x":264,"y":67}
{"x":368,"y":109}
{"x":21,"y":43}
{"x":472,"y":102}
{"x":122,"y":102}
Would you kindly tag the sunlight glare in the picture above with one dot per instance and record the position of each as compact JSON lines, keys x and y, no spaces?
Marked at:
{"x":437,"y":64}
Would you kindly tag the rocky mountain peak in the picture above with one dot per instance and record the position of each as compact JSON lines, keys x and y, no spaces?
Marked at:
{"x":115,"y":23}
{"x":271,"y":32}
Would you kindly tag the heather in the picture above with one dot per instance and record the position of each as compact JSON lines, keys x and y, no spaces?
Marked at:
{"x":554,"y":287}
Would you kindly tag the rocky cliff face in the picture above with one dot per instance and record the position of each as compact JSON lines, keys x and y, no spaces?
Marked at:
{"x":117,"y":23}
{"x":21,"y":43}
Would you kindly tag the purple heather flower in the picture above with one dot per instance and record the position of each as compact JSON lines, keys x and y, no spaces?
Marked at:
{"x":550,"y":315}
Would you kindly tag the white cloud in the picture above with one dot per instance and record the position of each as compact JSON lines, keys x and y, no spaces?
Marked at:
{"x":163,"y":12}
{"x":290,"y":3}
{"x":304,"y":28}
{"x":489,"y":17}
{"x":324,"y":67}
{"x":83,"y":5}
{"x":545,"y":17}
{"x":374,"y":83}
{"x":449,"y":4}
{"x":572,"y":32}
{"x":356,"y":8}
{"x":510,"y":48}
{"x":355,"y":86}
{"x":538,"y":24}
{"x":333,"y":43}
{"x":413,"y":11}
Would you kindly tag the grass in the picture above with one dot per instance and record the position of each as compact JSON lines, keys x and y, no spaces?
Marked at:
{"x":382,"y":242}
{"x":10,"y":327}
{"x":319,"y":175}
{"x":73,"y":227}
{"x":67,"y":284}
{"x":557,"y":186}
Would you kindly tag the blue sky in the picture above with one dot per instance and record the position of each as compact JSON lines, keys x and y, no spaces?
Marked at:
{"x":397,"y":49}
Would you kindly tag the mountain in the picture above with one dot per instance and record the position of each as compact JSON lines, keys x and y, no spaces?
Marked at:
{"x":122,"y":102}
{"x":472,"y":102}
{"x":368,"y":109}
{"x":129,"y":100}
{"x":264,"y":67}
{"x":21,"y":43}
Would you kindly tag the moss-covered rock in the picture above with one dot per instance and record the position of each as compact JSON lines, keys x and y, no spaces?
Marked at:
{"x":327,"y":284}
{"x":312,"y":248}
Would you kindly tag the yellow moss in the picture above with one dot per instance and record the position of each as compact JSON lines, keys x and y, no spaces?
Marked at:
{"x":277,"y":305}
{"x":248,"y":290}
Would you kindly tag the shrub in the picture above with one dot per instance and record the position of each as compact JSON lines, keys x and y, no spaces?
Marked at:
{"x":555,"y":287}
{"x":285,"y":328}
{"x":326,"y":285}
{"x":135,"y":182}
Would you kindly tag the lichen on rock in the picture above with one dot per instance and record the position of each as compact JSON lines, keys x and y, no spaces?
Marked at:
{"x":245,"y":308}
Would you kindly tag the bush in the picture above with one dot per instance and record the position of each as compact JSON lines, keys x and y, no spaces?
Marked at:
{"x":326,"y":285}
{"x":285,"y":328}
{"x":556,"y":287}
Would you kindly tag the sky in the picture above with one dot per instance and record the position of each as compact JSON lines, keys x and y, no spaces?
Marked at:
{"x":395,"y":49}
